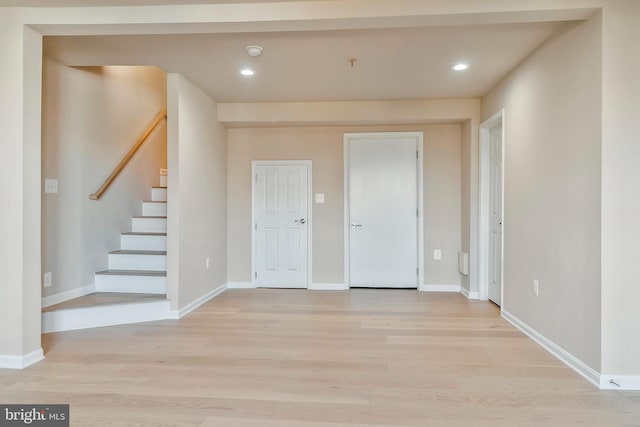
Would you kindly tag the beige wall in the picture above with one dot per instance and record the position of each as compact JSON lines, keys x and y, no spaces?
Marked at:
{"x":620,"y":201}
{"x":324,"y":146}
{"x":20,"y":123}
{"x":82,"y":141}
{"x":465,"y":196}
{"x":442,"y":207}
{"x":197,"y":216}
{"x":11,"y":226}
{"x":552,"y":156}
{"x":348,"y":113}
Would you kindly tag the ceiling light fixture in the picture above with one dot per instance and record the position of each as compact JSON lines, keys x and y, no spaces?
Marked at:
{"x":247,"y":72}
{"x":254,"y":50}
{"x":459,"y":66}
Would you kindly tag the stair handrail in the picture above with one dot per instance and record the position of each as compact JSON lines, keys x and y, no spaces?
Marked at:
{"x":107,"y":182}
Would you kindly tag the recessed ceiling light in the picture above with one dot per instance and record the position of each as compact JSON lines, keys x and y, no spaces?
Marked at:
{"x":459,"y":66}
{"x":247,"y":72}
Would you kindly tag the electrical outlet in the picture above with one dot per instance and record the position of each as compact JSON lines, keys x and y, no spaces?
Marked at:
{"x":319,"y":197}
{"x":207,"y":262}
{"x":536,"y":287}
{"x":46,"y":280}
{"x":437,"y":254}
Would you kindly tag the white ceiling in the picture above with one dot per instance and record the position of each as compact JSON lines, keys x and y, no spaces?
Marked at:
{"x":399,"y":63}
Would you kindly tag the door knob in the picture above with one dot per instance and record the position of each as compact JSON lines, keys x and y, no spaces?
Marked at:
{"x":354,"y":225}
{"x":300,"y":221}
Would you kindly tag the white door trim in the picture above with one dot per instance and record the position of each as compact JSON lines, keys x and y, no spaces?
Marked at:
{"x":484,"y":218}
{"x":308,"y":164}
{"x":347,"y":138}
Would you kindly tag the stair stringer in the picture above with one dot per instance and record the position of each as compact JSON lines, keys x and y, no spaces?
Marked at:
{"x":104,"y":315}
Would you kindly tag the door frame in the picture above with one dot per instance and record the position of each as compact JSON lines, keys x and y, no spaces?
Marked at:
{"x":419,"y":137}
{"x":308,"y":164}
{"x":484,"y":206}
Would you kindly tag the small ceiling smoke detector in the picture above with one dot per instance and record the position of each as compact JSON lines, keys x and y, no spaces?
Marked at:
{"x":254,"y":50}
{"x":459,"y":66}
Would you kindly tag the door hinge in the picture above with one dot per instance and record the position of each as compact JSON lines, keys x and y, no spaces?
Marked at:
{"x":255,"y":275}
{"x":417,"y":271}
{"x":255,"y":226}
{"x":417,"y":213}
{"x":256,"y":177}
{"x":417,"y":156}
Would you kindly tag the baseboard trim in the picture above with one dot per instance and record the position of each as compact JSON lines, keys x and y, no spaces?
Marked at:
{"x":240,"y":285}
{"x":328,"y":287}
{"x":620,"y":382}
{"x":68,"y":295}
{"x":21,"y":362}
{"x":178,"y":314}
{"x":561,"y":354}
{"x":439,"y":288}
{"x":469,"y":294}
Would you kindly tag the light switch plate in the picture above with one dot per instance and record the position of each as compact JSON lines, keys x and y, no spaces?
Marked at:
{"x":51,"y":186}
{"x":437,"y":254}
{"x":47,"y":280}
{"x":319,"y":197}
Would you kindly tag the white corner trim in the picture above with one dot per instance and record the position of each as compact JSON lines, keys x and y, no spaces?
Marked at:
{"x":240,"y":285}
{"x":178,"y":314}
{"x":68,"y":295}
{"x":619,"y":382}
{"x":439,"y":288}
{"x":21,"y":362}
{"x":561,"y":354}
{"x":469,"y":294}
{"x":328,"y":287}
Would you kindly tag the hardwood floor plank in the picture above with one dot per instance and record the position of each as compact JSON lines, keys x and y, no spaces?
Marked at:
{"x":300,"y":358}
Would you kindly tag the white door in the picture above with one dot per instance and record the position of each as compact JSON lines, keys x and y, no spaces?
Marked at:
{"x":281,"y":224}
{"x":383,"y":203}
{"x":495,"y":214}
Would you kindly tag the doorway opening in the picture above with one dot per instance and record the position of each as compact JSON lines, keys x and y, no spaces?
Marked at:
{"x":383,"y":217}
{"x":491,"y":239}
{"x":281,"y":223}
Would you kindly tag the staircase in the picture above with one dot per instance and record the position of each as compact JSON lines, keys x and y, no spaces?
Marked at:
{"x":133,"y":288}
{"x":140,"y":266}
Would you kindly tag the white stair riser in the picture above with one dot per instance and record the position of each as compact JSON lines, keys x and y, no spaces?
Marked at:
{"x":154,"y":209}
{"x":137,"y":262}
{"x":107,"y":315}
{"x":149,"y":225}
{"x":159,"y":194}
{"x":163,"y":180}
{"x":131,"y":284}
{"x":143,"y":243}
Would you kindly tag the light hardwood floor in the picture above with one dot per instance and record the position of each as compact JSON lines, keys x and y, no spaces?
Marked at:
{"x":297,"y":358}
